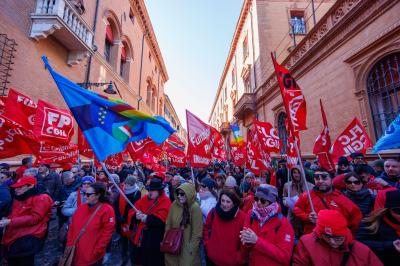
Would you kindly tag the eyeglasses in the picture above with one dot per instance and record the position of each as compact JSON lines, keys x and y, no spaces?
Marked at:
{"x":257,"y":199}
{"x":321,"y":176}
{"x":89,"y":194}
{"x":181,"y":194}
{"x":356,"y":182}
{"x":203,"y":186}
{"x":335,"y":238}
{"x":86,"y":183}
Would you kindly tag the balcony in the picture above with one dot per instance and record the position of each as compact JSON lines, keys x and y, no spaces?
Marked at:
{"x":245,"y":105}
{"x":225,"y":128}
{"x":59,"y":19}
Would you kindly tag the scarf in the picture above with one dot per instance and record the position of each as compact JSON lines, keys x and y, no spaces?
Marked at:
{"x":30,"y":193}
{"x":263,"y":214}
{"x":226,"y":215}
{"x":131,"y":189}
{"x":205,"y":195}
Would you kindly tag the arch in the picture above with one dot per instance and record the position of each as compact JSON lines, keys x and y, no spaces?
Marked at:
{"x":110,"y":16}
{"x":282,"y":131}
{"x":126,"y":58}
{"x":383,"y":90}
{"x":112,"y":47}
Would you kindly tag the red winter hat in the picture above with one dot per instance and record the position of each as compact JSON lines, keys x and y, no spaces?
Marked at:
{"x":26,"y":180}
{"x":160,"y":175}
{"x":332,"y":222}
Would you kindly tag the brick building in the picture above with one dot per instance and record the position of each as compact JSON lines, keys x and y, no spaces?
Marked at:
{"x":172,"y":117}
{"x":349,"y":59}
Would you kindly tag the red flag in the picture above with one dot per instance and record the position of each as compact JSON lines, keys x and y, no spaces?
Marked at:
{"x":178,"y":158}
{"x":114,"y":161}
{"x":83,"y":145}
{"x":137,"y":148}
{"x":267,"y":136}
{"x":323,"y":144}
{"x":293,"y":98}
{"x":13,"y":139}
{"x":199,"y":144}
{"x":237,"y":154}
{"x":20,"y":109}
{"x":218,"y":150}
{"x":2,"y":103}
{"x":173,"y":142}
{"x":291,"y":154}
{"x":255,"y":160}
{"x":353,"y":139}
{"x":64,"y":155}
{"x":53,"y":123}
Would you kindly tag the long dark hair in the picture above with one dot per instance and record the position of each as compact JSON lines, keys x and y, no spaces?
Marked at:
{"x":101,"y":190}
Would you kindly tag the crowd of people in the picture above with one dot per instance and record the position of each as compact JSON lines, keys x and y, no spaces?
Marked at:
{"x":220,"y":215}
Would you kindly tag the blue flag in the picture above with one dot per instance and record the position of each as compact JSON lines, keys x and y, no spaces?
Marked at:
{"x":391,"y":138}
{"x":108,"y":124}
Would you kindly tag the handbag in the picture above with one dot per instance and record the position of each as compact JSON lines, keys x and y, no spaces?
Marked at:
{"x":172,"y":242}
{"x":68,"y":256}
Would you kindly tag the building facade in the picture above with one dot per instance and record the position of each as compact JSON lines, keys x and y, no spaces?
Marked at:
{"x":108,"y":41}
{"x":171,"y":116}
{"x":349,"y":60}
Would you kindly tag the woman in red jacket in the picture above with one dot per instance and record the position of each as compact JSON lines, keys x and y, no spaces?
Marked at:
{"x":26,"y":226}
{"x":221,"y":230}
{"x":331,"y":243}
{"x":267,"y":235}
{"x":91,"y":247}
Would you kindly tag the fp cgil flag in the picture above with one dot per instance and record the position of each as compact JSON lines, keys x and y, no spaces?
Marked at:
{"x":293,"y":98}
{"x":267,"y":136}
{"x":353,"y":139}
{"x":391,"y":138}
{"x":53,"y":123}
{"x":323,"y":145}
{"x":20,"y":109}
{"x":199,"y":144}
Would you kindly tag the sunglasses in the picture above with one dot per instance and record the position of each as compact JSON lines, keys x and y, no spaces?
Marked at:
{"x":203,"y":186}
{"x":348,"y":182}
{"x":180,"y":194}
{"x":261,"y":200}
{"x":86,"y":183}
{"x":89,"y":194}
{"x":321,"y":176}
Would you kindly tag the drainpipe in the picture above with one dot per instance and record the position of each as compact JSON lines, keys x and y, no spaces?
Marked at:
{"x":140,"y":73}
{"x":254,"y":66}
{"x":89,"y":63}
{"x":158,"y":89}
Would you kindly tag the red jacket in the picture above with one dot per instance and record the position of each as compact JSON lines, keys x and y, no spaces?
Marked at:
{"x":275,"y":242}
{"x":20,"y":172}
{"x":92,"y":245}
{"x":338,"y":183}
{"x":28,"y":217}
{"x":334,"y":201}
{"x":311,"y":251}
{"x":221,"y":238}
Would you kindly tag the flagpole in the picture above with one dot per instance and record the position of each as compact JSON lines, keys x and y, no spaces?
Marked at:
{"x":191,"y":169}
{"x":116,"y":185}
{"x":303,"y":175}
{"x":289,"y":182}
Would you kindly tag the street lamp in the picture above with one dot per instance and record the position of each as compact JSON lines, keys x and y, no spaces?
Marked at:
{"x":108,"y":90}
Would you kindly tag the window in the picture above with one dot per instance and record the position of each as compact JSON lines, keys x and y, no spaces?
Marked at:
{"x":233,"y":76}
{"x":297,"y":22}
{"x":150,"y":57}
{"x":383,"y":87}
{"x":131,"y":16}
{"x":123,"y":61}
{"x":247,"y":85}
{"x":282,"y":132}
{"x":225,"y":93}
{"x":245,"y":48}
{"x":108,"y":43}
{"x":78,"y":5}
{"x":149,"y":93}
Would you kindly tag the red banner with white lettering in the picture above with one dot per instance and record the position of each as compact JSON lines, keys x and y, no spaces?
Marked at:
{"x":53,"y":123}
{"x":267,"y":136}
{"x":218,"y":149}
{"x":237,"y":154}
{"x":83,"y":145}
{"x":137,"y":148}
{"x":199,"y":141}
{"x":64,"y":155}
{"x":178,"y":158}
{"x":293,"y":98}
{"x":20,"y":108}
{"x":255,"y":159}
{"x":14,"y":140}
{"x":114,"y":161}
{"x":323,"y":144}
{"x":353,"y":139}
{"x":2,"y":103}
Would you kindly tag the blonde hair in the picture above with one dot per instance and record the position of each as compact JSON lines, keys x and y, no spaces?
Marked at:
{"x":374,"y":220}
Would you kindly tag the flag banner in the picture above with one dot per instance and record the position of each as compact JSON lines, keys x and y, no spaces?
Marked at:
{"x":237,"y":154}
{"x":265,"y":158}
{"x":353,"y":139}
{"x":218,"y":150}
{"x":83,"y":146}
{"x":107,"y":123}
{"x":238,"y":139}
{"x":114,"y":161}
{"x":391,"y":138}
{"x":323,"y":145}
{"x":199,"y":141}
{"x":2,"y":104}
{"x":293,"y":98}
{"x":254,"y":160}
{"x":137,"y":148}
{"x":173,"y":142}
{"x":20,"y":109}
{"x":291,"y":154}
{"x":14,"y":139}
{"x":64,"y":159}
{"x":267,"y":136}
{"x":178,"y":158}
{"x":53,"y":123}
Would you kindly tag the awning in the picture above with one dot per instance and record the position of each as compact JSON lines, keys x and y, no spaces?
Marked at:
{"x":109,"y":34}
{"x":123,"y":54}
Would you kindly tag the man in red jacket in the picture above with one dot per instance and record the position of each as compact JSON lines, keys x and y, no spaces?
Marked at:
{"x":324,"y":196}
{"x":26,"y":226}
{"x":331,"y":243}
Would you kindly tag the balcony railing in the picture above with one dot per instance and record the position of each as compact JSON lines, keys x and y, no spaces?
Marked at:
{"x":225,"y":128}
{"x":245,"y":105}
{"x":60,"y":19}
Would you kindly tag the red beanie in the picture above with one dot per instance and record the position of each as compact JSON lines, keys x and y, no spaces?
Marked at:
{"x":332,"y":222}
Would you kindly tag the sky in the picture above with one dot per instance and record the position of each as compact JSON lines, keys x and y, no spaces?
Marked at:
{"x":194,"y":38}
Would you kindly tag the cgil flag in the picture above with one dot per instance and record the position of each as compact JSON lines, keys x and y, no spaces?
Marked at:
{"x":391,"y":138}
{"x":108,"y":124}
